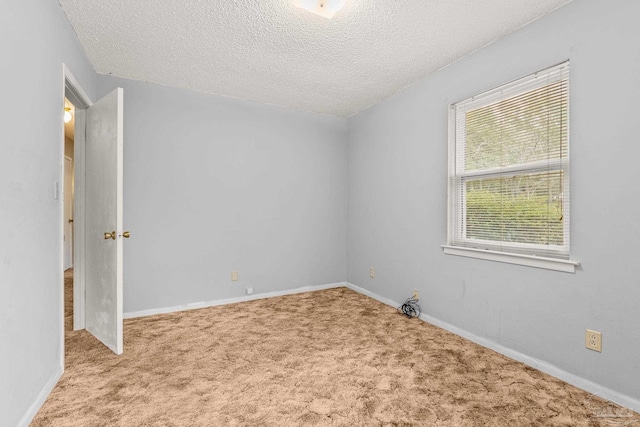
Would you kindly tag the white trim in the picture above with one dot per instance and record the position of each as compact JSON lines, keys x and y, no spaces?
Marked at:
{"x":554,"y":371}
{"x":517,"y":87}
{"x":459,"y":176}
{"x":373,"y":295}
{"x":79,"y":215}
{"x":214,"y":303}
{"x":78,"y":95}
{"x":41,"y":398}
{"x":451,"y":198}
{"x":119,"y":221}
{"x":565,"y":265}
{"x":541,"y":365}
{"x":60,"y":278}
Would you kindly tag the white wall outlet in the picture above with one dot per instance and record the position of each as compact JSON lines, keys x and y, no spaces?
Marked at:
{"x":593,"y":340}
{"x":372,"y":272}
{"x":249,"y":291}
{"x":416,"y":295}
{"x":234,"y":276}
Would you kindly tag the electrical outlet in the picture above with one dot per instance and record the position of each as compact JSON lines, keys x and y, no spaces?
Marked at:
{"x":593,"y":340}
{"x":249,"y":291}
{"x":234,"y":276}
{"x":416,"y":295}
{"x":372,"y":272}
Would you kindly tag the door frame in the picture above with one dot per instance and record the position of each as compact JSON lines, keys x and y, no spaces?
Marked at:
{"x":73,"y":91}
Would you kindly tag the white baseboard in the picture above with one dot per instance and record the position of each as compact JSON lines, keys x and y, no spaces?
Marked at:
{"x":203,"y":304}
{"x":554,"y":371}
{"x":42,"y":397}
{"x":370,"y":294}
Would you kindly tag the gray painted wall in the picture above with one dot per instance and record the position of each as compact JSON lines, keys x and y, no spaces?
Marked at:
{"x":35,"y":39}
{"x":215,"y":184}
{"x":397,"y":200}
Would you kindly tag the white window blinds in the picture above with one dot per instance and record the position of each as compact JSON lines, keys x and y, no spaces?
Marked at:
{"x":509,"y":167}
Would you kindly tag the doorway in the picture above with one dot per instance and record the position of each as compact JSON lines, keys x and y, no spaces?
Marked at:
{"x":97,"y":214}
{"x":67,"y":219}
{"x":73,"y":141}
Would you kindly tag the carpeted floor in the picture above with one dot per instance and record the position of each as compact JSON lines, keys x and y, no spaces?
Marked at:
{"x":323,"y":358}
{"x":68,"y":300}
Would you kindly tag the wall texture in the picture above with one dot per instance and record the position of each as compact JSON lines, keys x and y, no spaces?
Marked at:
{"x":35,"y":39}
{"x":215,"y":184}
{"x":397,"y":201}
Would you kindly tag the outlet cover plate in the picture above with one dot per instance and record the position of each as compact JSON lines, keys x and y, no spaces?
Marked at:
{"x":593,"y":340}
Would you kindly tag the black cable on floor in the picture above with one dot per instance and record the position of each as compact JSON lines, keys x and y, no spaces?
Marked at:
{"x":410,"y":308}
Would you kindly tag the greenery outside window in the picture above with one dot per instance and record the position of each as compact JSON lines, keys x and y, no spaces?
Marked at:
{"x":509,"y":168}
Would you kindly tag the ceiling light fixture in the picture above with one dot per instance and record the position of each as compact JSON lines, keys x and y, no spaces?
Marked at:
{"x":67,"y":115}
{"x":324,"y":8}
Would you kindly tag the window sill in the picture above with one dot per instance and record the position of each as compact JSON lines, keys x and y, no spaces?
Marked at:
{"x":566,"y":266}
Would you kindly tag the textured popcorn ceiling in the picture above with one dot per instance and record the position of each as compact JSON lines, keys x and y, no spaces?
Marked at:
{"x":272,"y":52}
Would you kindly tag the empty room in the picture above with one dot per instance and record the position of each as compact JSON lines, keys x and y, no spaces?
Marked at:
{"x":320,"y":212}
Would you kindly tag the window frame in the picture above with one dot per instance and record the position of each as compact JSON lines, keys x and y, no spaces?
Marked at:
{"x":552,"y":257}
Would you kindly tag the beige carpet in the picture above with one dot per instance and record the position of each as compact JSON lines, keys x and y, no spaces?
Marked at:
{"x":68,"y":300}
{"x":323,"y":358}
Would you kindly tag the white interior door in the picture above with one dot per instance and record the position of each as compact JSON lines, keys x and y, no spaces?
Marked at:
{"x":68,"y":213}
{"x":103,"y":193}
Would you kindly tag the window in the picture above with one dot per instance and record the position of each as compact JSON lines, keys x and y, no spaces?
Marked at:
{"x":509,"y":170}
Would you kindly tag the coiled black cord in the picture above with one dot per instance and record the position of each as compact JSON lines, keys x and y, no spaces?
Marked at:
{"x":410,"y":308}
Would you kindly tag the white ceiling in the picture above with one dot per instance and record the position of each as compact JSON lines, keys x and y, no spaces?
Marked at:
{"x":272,"y":52}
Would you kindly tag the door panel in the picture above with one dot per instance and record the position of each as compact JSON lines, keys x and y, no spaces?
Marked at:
{"x":104,"y":185}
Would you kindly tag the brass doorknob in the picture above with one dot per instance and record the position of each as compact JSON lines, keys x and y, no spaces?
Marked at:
{"x":126,"y":234}
{"x":111,"y":235}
